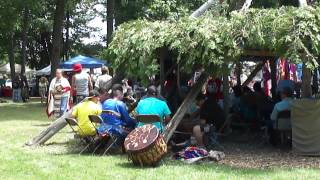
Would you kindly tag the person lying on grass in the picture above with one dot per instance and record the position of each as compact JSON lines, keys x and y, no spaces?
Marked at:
{"x":82,"y":111}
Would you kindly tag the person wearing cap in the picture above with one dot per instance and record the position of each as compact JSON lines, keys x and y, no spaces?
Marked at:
{"x":103,"y":80}
{"x":82,"y":111}
{"x":81,"y":83}
{"x":59,"y":95}
{"x":152,"y":105}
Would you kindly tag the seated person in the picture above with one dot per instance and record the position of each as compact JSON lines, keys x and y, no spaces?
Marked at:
{"x":211,"y":115}
{"x":151,"y":105}
{"x":83,"y":110}
{"x":118,"y":122}
{"x":263,"y":103}
{"x":284,"y":104}
{"x":248,"y":108}
{"x":192,"y":115}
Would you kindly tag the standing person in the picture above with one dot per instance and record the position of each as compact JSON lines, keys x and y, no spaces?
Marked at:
{"x":24,"y":88}
{"x":59,"y":94}
{"x":16,"y":88}
{"x":103,"y":80}
{"x":153,"y":105}
{"x":81,"y":83}
{"x":43,"y":88}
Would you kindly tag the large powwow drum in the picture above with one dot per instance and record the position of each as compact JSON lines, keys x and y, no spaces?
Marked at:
{"x":145,"y":146}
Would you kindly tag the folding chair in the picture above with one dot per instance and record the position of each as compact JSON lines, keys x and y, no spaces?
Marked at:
{"x":87,"y":140}
{"x":97,"y":120}
{"x":148,"y":118}
{"x":283,"y":125}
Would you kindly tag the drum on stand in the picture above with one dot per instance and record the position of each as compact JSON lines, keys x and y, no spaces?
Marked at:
{"x":145,"y":146}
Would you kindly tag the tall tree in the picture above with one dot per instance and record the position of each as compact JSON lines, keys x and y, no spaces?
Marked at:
{"x":110,"y":19}
{"x":25,"y":27}
{"x":57,"y":35}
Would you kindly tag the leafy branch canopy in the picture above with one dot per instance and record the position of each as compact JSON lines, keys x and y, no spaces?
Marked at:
{"x":215,"y":40}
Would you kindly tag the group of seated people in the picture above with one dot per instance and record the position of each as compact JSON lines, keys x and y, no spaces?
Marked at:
{"x":114,"y":113}
{"x":204,"y":114}
{"x":258,"y":109}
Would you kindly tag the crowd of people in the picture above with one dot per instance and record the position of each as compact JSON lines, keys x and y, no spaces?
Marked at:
{"x":204,"y":117}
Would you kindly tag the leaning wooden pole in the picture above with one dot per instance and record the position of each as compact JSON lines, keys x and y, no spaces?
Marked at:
{"x":202,"y":9}
{"x":51,"y":130}
{"x":253,"y":73}
{"x":171,"y":127}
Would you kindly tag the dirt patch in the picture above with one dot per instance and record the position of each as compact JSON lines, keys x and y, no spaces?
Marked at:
{"x":264,"y":156}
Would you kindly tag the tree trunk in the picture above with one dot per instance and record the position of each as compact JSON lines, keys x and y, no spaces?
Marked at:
{"x":315,"y":81}
{"x":25,"y":28}
{"x":173,"y":124}
{"x":306,"y":82}
{"x":57,"y":35}
{"x":110,"y":19}
{"x":11,"y":56}
{"x":67,"y":43}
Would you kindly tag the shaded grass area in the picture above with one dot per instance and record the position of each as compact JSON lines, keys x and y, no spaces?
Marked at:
{"x":20,"y":122}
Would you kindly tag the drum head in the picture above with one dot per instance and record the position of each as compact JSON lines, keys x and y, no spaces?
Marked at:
{"x":141,"y":138}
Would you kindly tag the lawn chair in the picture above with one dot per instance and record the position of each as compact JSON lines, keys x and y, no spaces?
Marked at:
{"x":148,"y":118}
{"x":110,"y":138}
{"x":283,"y":126}
{"x":86,"y":140}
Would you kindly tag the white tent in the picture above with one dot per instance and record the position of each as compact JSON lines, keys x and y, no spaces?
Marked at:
{"x":47,"y":70}
{"x":44,"y":72}
{"x":5,"y":69}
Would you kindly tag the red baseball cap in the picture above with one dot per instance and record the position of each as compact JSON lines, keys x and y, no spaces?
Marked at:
{"x":77,"y":67}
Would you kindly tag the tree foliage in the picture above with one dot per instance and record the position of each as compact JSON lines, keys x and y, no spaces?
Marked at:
{"x":215,"y":40}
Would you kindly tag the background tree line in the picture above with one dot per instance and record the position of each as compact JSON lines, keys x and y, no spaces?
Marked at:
{"x":40,"y":32}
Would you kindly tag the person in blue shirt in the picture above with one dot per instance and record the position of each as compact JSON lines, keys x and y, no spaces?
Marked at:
{"x":152,"y":105}
{"x":117,"y":121}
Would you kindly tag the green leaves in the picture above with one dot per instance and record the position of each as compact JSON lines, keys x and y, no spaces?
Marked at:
{"x":213,"y":41}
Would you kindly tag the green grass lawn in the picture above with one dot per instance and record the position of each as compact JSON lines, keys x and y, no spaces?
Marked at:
{"x":20,"y":122}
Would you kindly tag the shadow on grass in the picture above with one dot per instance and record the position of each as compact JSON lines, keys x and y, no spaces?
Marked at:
{"x":22,"y":112}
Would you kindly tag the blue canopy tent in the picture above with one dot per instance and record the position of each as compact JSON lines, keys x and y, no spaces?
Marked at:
{"x":86,"y":62}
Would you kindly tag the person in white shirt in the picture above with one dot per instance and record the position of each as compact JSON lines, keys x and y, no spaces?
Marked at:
{"x":103,"y":80}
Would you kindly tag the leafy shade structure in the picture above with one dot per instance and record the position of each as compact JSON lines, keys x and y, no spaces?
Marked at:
{"x":214,"y":41}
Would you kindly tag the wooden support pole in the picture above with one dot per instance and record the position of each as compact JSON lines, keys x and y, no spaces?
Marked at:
{"x":173,"y":124}
{"x":253,"y":73}
{"x":162,"y":58}
{"x":306,"y":82}
{"x":273,"y":72}
{"x":238,"y":72}
{"x":226,"y":98}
